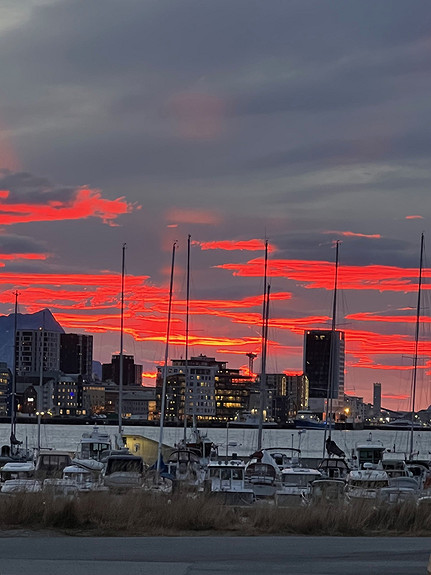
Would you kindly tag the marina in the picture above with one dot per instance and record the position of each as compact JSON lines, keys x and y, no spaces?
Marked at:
{"x":85,"y":459}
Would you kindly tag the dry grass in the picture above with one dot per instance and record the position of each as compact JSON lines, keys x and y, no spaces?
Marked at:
{"x":140,"y":513}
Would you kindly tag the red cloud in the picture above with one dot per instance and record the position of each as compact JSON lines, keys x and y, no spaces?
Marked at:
{"x":23,"y":256}
{"x":414,"y":218}
{"x":231,"y":245}
{"x":86,"y":203}
{"x":353,"y":234}
{"x":320,"y":275}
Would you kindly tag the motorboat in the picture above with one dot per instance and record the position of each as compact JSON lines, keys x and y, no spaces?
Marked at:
{"x":306,"y":419}
{"x":249,"y":419}
{"x":123,"y":472}
{"x":295,"y":486}
{"x":400,"y":489}
{"x":368,"y":452}
{"x":76,"y":480}
{"x":366,"y":483}
{"x":327,"y":491}
{"x":94,"y":445}
{"x":184,"y":467}
{"x":51,"y":463}
{"x":226,"y":479}
{"x":17,"y":470}
{"x":261,"y":474}
{"x":284,"y":456}
{"x":201,"y":445}
{"x":19,"y":478}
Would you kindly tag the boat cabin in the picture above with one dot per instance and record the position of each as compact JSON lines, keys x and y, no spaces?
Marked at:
{"x":94,"y":444}
{"x":370,"y":452}
{"x":295,"y":488}
{"x":52,"y":462}
{"x":228,"y":478}
{"x":13,"y":470}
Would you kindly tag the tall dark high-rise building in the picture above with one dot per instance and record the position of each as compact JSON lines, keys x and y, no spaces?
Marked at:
{"x":76,"y":354}
{"x":321,"y":347}
{"x":377,"y":398}
{"x":132,"y":372}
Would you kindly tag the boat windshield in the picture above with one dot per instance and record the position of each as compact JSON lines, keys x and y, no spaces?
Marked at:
{"x":124,"y":466}
{"x":227,"y":473}
{"x":53,"y":462}
{"x":378,"y":484}
{"x":93,"y":450}
{"x":298,"y":480}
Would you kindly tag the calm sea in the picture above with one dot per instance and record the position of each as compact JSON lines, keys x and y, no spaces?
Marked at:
{"x":241,"y":441}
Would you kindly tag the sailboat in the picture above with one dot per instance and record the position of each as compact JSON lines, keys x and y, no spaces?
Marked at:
{"x":198,"y":443}
{"x":328,"y":443}
{"x":415,"y":360}
{"x":262,"y":471}
{"x":15,"y":452}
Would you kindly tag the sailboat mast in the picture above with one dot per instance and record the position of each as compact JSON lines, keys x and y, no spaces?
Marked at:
{"x":40,"y":391}
{"x":121,"y":375}
{"x":415,"y":361}
{"x":165,"y":369}
{"x":331,"y":370}
{"x":186,"y":351}
{"x":13,"y":394}
{"x":265,"y":306}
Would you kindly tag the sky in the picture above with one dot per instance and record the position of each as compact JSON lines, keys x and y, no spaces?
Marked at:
{"x":302,"y":122}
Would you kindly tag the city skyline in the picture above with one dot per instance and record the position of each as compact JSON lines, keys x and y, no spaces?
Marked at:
{"x":300,"y":122}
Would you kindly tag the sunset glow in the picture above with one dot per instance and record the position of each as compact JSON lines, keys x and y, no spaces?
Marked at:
{"x":85,"y":203}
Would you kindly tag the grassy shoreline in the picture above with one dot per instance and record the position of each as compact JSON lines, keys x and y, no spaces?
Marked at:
{"x":144,"y":514}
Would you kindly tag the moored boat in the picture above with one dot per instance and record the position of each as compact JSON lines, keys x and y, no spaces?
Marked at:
{"x":306,"y":419}
{"x":226,"y":480}
{"x":295,"y":486}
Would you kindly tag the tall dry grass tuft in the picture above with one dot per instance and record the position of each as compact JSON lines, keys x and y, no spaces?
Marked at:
{"x":143,"y":513}
{"x":27,"y":510}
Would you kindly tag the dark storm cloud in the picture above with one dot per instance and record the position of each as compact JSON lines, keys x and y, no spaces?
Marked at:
{"x":28,"y":188}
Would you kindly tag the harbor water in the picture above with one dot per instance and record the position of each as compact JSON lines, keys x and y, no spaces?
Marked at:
{"x":242,"y":441}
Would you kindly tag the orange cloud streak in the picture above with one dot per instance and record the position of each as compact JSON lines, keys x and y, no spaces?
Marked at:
{"x":320,"y":274}
{"x":232,"y":245}
{"x":86,"y":203}
{"x":353,"y":234}
{"x":23,"y":256}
